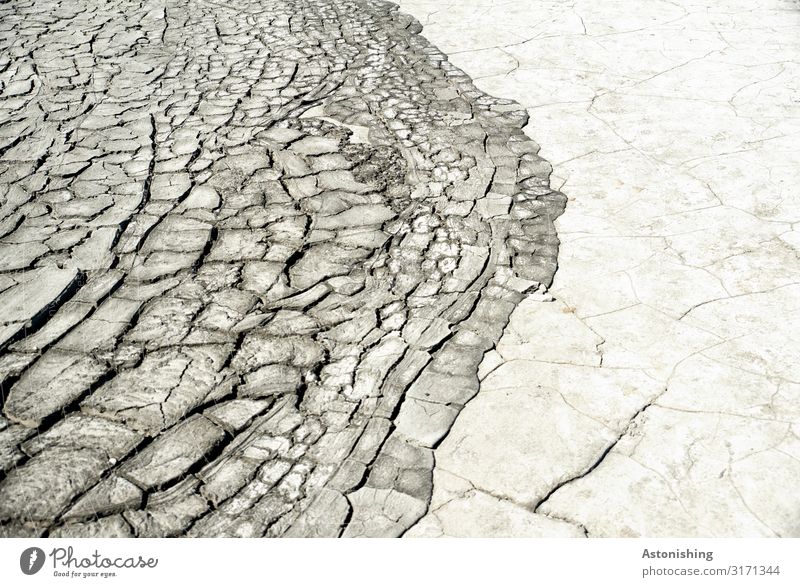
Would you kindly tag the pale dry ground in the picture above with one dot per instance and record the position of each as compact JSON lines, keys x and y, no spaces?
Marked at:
{"x":659,"y":394}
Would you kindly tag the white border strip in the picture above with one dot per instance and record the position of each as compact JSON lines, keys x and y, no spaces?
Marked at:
{"x":310,"y":562}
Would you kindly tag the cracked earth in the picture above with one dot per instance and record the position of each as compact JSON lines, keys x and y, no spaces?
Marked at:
{"x":286,"y":268}
{"x":252,"y":256}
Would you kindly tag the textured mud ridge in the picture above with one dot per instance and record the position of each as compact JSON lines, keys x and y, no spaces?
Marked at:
{"x":252,"y":254}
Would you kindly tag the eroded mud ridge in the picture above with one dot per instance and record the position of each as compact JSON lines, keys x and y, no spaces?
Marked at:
{"x":252,"y":254}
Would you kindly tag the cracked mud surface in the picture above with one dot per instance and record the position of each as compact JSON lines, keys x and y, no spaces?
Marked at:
{"x":251,"y":256}
{"x":669,"y":402}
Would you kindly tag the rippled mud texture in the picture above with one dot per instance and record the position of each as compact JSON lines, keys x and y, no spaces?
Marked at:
{"x":252,"y":254}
